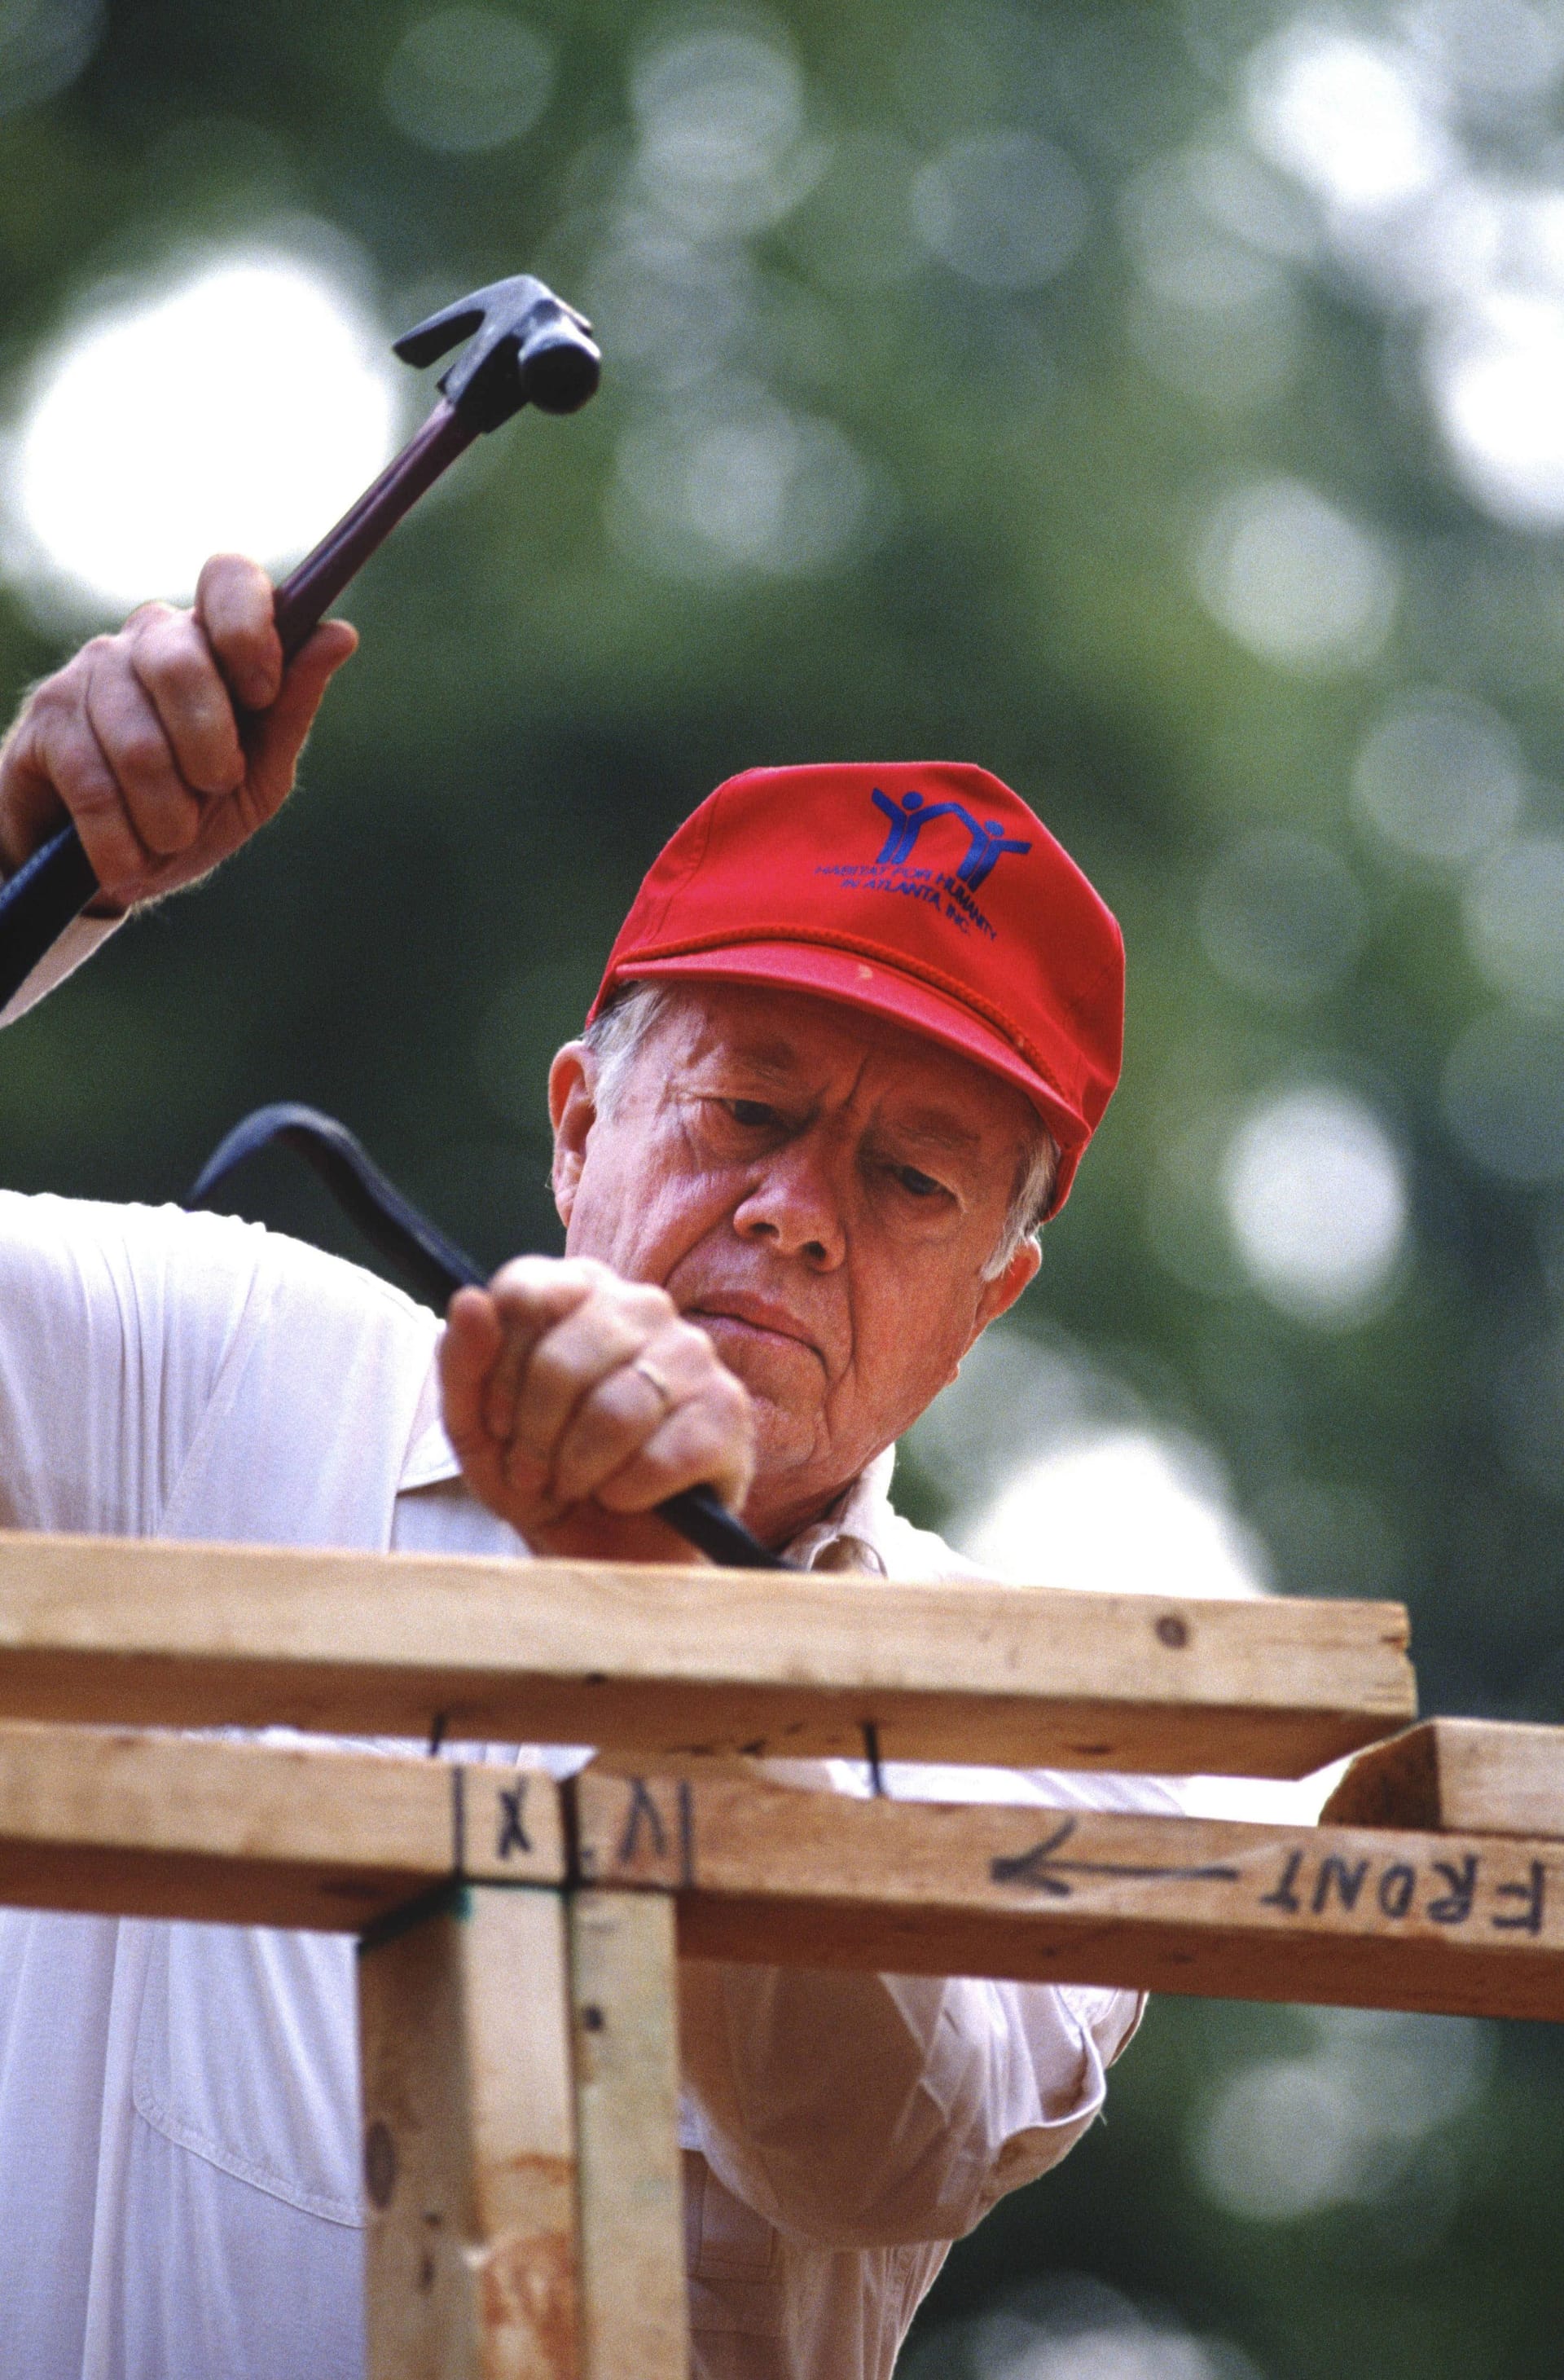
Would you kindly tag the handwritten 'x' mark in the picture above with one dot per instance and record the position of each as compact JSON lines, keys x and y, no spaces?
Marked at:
{"x":512,"y":1833}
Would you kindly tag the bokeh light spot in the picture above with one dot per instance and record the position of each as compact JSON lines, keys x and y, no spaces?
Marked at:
{"x":1317,"y":1203}
{"x":1293,"y":579}
{"x":1504,"y":1097}
{"x":1007,"y":209}
{"x":1217,"y":317}
{"x":1513,"y":911}
{"x":1188,"y":256}
{"x":1497,"y":373}
{"x":1126,"y":1512}
{"x":467,"y":79}
{"x":721,"y":119}
{"x":744,"y":483}
{"x":1067,"y":2326}
{"x":1282,"y":917}
{"x":1440,"y":776}
{"x":1289,"y":2137}
{"x":243,"y":408}
{"x":1347,"y":116}
{"x":670,"y":311}
{"x":1499,"y":49}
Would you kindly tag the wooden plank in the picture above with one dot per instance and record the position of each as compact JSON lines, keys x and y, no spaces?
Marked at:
{"x":1353,"y":1917}
{"x":668,"y":1661}
{"x":1395,"y":1918}
{"x":635,"y":2317}
{"x":1469,"y":1775}
{"x":469,"y":2142}
{"x":160,"y":1825}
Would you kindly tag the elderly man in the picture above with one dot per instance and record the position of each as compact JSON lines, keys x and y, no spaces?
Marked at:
{"x":833,"y":1081}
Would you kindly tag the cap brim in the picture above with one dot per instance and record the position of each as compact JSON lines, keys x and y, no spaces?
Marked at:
{"x":903,"y":999}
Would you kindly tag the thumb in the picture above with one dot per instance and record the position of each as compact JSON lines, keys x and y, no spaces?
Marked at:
{"x":467,"y":1353}
{"x":282,"y":729}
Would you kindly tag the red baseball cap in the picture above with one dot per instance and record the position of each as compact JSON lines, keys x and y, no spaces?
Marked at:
{"x":925,"y":891}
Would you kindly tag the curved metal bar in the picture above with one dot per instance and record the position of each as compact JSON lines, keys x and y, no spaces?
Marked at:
{"x":436,"y":1268}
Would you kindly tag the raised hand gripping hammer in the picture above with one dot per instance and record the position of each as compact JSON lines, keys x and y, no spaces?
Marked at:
{"x":525,"y":347}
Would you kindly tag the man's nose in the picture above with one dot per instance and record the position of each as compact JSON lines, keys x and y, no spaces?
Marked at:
{"x":795,"y":1208}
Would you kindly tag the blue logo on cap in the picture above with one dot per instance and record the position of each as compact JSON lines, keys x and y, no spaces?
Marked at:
{"x":911,"y":814}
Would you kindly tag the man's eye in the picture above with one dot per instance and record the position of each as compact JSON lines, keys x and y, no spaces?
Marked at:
{"x":921,"y":1186}
{"x":754,"y":1112}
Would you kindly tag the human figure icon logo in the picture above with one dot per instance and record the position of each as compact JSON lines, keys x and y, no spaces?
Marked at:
{"x":909,"y":816}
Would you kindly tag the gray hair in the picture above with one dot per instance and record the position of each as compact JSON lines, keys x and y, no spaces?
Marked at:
{"x":616,"y":1035}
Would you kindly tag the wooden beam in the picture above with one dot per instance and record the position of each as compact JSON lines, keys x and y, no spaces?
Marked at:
{"x":634,"y":2314}
{"x":160,"y":1826}
{"x":666,"y":1661}
{"x":1353,"y":1917}
{"x":263,"y":1834}
{"x":469,"y":2142}
{"x":1468,"y":1776}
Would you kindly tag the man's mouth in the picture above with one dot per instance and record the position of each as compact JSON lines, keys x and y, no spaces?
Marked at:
{"x":755,"y":1319}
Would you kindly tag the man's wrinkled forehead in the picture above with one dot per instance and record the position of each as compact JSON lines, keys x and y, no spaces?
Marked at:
{"x":795,"y":1042}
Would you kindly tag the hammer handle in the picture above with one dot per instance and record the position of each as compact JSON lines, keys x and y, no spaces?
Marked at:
{"x":308,"y":592}
{"x":39,"y":901}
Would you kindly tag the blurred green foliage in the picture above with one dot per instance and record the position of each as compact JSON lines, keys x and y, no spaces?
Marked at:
{"x":1009,"y":482}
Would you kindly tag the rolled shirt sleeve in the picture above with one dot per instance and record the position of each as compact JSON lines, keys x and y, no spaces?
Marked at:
{"x":863,"y":2111}
{"x":860,"y":2111}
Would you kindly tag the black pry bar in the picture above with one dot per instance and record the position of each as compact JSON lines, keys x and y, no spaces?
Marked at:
{"x":436,"y":1268}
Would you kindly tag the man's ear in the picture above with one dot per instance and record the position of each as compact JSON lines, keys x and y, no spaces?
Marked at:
{"x":572,"y":1110}
{"x":1001,"y":1293}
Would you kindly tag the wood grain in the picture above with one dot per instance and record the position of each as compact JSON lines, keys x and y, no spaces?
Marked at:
{"x":469,"y":2142}
{"x":134,"y":1825}
{"x":635,"y":2315}
{"x":1353,"y":1917}
{"x":675,"y":1660}
{"x":1479,"y":1776}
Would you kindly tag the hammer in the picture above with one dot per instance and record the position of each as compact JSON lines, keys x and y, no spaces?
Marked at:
{"x":526,"y":347}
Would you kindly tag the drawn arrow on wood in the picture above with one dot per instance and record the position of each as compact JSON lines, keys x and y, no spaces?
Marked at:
{"x":1039,"y":1866}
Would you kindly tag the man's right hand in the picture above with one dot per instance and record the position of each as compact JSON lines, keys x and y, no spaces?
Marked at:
{"x":578,"y":1401}
{"x":169,"y":744}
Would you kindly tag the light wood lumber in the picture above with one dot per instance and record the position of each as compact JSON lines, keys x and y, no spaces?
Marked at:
{"x":469,"y":2142}
{"x":671,"y":1660}
{"x":134,"y":1825}
{"x":635,"y":2316}
{"x":164,"y":1826}
{"x":1469,"y":1775}
{"x":1353,"y":1917}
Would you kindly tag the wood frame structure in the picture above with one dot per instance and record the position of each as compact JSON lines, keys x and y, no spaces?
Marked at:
{"x":522,"y":2177}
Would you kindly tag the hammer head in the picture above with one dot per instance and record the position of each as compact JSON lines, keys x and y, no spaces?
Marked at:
{"x":526,"y":347}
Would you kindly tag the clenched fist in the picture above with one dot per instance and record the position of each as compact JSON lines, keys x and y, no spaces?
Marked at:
{"x":169,"y":744}
{"x":576,"y":1401}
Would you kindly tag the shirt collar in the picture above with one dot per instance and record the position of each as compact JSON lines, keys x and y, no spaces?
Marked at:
{"x":853,"y":1534}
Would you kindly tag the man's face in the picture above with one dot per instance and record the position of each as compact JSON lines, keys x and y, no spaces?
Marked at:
{"x":821,"y":1191}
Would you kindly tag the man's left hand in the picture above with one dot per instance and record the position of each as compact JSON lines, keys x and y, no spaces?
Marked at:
{"x":576,"y":1401}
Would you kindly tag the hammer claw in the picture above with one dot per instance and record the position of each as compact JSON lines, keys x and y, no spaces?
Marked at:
{"x":439,"y":333}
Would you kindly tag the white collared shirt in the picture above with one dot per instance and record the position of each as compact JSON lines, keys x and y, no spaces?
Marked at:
{"x":178,"y":2103}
